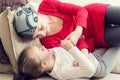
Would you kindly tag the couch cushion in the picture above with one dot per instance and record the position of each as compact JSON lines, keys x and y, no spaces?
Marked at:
{"x":5,"y":68}
{"x":13,"y":4}
{"x":12,"y":43}
{"x":6,"y":76}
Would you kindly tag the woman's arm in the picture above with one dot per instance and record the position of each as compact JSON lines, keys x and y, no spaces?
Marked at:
{"x":75,"y":35}
{"x":55,"y":6}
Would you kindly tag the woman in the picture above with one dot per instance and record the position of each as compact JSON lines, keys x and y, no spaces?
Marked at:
{"x":87,"y":27}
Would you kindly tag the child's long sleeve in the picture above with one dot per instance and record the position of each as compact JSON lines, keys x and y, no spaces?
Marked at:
{"x":84,"y":62}
{"x":64,"y":65}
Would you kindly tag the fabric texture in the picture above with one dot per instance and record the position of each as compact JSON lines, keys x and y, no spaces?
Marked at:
{"x":25,"y":21}
{"x":12,"y":43}
{"x":3,"y":57}
{"x":11,"y":3}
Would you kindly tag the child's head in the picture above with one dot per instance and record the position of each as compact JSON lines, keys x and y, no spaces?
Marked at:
{"x":29,"y":65}
{"x":33,"y":61}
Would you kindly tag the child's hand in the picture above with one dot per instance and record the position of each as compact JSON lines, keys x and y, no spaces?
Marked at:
{"x":76,"y":64}
{"x":66,"y":44}
{"x":85,"y":52}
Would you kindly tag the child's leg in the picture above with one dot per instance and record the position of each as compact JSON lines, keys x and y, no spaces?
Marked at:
{"x":112,"y":35}
{"x":108,"y":61}
{"x":110,"y":58}
{"x":100,"y":51}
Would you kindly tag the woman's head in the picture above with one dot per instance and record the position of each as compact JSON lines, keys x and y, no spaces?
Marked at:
{"x":33,"y":61}
{"x":25,"y":21}
{"x":30,"y":24}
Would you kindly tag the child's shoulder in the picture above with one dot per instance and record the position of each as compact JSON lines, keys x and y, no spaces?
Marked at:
{"x":59,"y":50}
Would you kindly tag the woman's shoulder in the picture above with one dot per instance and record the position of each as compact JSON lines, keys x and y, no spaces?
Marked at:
{"x":96,"y":5}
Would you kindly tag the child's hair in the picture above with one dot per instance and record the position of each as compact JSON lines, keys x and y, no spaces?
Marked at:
{"x":28,"y":66}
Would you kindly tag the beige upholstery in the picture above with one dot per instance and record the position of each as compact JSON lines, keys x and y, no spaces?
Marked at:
{"x":5,"y":68}
{"x":12,"y":43}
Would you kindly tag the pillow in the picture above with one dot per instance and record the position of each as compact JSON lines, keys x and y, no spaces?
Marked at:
{"x":3,"y":57}
{"x":12,"y":43}
{"x":11,"y":3}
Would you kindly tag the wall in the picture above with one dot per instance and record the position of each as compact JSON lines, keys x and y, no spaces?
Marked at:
{"x":80,"y":2}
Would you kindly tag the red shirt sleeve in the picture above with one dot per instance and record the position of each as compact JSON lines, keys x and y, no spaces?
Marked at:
{"x":54,"y":6}
{"x":86,"y":43}
{"x":82,"y":44}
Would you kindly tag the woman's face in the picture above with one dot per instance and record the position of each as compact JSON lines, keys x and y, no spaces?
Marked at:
{"x":43,"y":28}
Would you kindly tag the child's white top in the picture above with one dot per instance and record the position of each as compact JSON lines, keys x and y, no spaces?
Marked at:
{"x":64,"y":69}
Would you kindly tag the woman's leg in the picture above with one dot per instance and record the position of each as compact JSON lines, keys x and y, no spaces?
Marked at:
{"x":112,"y":15}
{"x":112,"y":36}
{"x":112,"y":33}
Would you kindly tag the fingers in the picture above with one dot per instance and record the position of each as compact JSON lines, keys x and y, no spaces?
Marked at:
{"x":82,"y":36}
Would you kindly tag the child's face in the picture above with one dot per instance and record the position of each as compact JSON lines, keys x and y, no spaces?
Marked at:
{"x":41,"y":52}
{"x":44,"y":55}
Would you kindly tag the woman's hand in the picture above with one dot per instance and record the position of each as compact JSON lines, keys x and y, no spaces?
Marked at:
{"x":75,"y":35}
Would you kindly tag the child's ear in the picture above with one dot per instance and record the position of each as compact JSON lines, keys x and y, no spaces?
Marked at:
{"x":44,"y":64}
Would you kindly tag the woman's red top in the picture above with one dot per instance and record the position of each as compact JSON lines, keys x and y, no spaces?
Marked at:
{"x":91,"y":17}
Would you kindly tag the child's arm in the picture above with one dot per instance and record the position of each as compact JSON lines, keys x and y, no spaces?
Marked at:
{"x":85,"y":67}
{"x":73,"y":50}
{"x":74,"y":37}
{"x":68,"y":44}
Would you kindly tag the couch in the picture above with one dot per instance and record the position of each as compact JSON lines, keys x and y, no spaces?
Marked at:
{"x":13,"y":44}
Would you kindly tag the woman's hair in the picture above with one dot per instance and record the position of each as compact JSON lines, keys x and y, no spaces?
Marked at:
{"x":28,"y":67}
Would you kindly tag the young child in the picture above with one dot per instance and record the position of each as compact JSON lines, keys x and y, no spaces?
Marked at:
{"x":65,"y":62}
